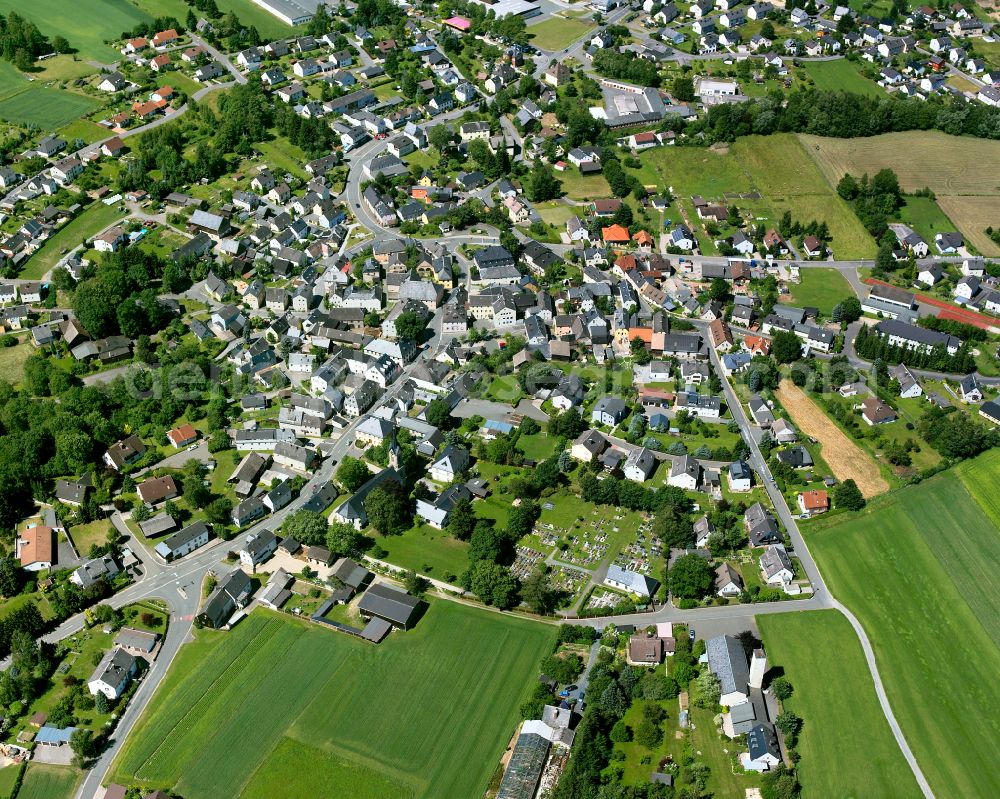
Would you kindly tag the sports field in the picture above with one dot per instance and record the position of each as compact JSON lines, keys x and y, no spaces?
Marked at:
{"x":48,"y":782}
{"x":830,"y":739}
{"x":821,"y":288}
{"x":844,"y":457}
{"x":424,"y":715}
{"x":918,"y":568}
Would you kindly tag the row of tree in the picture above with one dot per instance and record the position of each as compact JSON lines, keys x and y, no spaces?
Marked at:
{"x":844,"y":115}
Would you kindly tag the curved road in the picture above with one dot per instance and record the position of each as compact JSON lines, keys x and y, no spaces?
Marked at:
{"x":179,"y":583}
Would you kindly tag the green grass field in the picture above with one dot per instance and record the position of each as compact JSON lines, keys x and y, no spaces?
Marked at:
{"x":924,"y":216}
{"x":426,"y":550}
{"x":405,"y":718}
{"x":777,"y":167}
{"x":8,"y":776}
{"x":328,"y":775}
{"x":12,"y":361}
{"x":841,"y":75}
{"x":11,"y":80}
{"x":46,"y":108}
{"x":829,"y":740}
{"x":49,"y":782}
{"x":85,"y":23}
{"x":87,"y":535}
{"x":918,"y":569}
{"x":555,"y":33}
{"x":821,"y":288}
{"x":92,"y":221}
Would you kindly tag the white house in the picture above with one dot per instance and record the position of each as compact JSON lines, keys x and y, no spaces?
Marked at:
{"x":685,"y":473}
{"x":776,"y":566}
{"x":113,"y":674}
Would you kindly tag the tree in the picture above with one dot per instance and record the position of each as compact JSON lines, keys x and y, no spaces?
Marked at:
{"x":440,"y":137}
{"x":788,"y":722}
{"x":621,"y":733}
{"x":415,"y":584}
{"x":10,"y":577}
{"x":690,"y":577}
{"x":343,"y":540}
{"x":850,"y":309}
{"x":613,"y":700}
{"x":786,"y":347}
{"x":648,"y":734}
{"x":673,"y":529}
{"x":767,"y":30}
{"x":781,"y":687}
{"x":410,"y":325}
{"x":709,"y":690}
{"x":82,"y":743}
{"x":494,"y":584}
{"x":388,"y":508}
{"x":438,"y":413}
{"x":352,"y":474}
{"x":306,"y":527}
{"x":848,"y":495}
{"x":462,"y":520}
{"x":537,"y":592}
{"x":101,"y":703}
{"x":541,"y":183}
{"x":683,"y":89}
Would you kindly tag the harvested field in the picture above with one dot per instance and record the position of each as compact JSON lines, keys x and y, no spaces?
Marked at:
{"x":946,"y":164}
{"x":846,"y":459}
{"x":973,"y":215}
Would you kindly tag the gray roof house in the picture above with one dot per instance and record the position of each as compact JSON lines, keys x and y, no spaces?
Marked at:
{"x":230,"y":594}
{"x":728,"y":662}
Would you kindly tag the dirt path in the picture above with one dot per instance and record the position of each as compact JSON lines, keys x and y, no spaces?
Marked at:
{"x":845,"y":458}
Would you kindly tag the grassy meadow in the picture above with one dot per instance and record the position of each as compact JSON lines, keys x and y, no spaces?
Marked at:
{"x":802,"y":645}
{"x":917,"y":567}
{"x":283,"y":690}
{"x":820,"y":288}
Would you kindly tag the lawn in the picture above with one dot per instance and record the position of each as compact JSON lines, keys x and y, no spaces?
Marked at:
{"x":87,"y":535}
{"x":820,"y":288}
{"x":841,"y":75}
{"x":85,"y":23}
{"x":444,"y":740}
{"x":92,"y":221}
{"x":42,"y":781}
{"x":63,"y":67}
{"x":557,"y":32}
{"x":821,"y":682}
{"x":45,"y":108}
{"x":426,"y":550}
{"x":582,"y":187}
{"x":282,"y":155}
{"x":537,"y":447}
{"x":924,"y":216}
{"x":12,"y":361}
{"x":927,"y":554}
